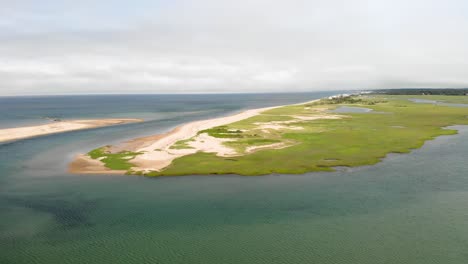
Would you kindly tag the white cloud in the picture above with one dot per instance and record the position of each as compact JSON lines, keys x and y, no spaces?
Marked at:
{"x":229,"y":46}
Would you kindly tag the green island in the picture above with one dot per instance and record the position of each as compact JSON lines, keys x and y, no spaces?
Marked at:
{"x":312,"y":137}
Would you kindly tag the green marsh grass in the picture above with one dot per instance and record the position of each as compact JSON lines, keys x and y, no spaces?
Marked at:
{"x":395,"y":126}
{"x":114,"y":161}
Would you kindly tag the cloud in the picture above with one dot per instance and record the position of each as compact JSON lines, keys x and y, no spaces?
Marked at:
{"x":62,"y":47}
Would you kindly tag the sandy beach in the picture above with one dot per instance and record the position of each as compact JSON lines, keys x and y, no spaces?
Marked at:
{"x":158,"y":154}
{"x":157,"y":150}
{"x":17,"y":133}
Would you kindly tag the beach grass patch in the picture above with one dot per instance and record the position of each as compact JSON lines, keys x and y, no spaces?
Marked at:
{"x":114,"y":161}
{"x":182,"y":144}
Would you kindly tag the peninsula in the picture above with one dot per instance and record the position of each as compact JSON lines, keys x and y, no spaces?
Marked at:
{"x":17,"y":133}
{"x":314,"y":136}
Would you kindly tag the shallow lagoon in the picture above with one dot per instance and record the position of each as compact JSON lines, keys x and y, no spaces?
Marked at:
{"x":408,"y":209}
{"x":425,"y":101}
{"x":351,"y":109}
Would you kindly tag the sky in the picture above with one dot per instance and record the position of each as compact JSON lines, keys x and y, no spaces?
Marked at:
{"x":218,"y":46}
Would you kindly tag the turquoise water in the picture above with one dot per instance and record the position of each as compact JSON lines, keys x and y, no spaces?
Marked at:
{"x":408,"y":209}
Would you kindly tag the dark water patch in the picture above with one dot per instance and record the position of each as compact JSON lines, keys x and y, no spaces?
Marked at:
{"x":425,"y":101}
{"x":351,"y":109}
{"x":67,"y":214}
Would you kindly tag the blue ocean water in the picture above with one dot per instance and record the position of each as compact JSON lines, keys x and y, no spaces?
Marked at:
{"x":409,"y":208}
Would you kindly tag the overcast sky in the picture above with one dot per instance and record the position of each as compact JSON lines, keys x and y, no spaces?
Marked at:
{"x":185,"y":46}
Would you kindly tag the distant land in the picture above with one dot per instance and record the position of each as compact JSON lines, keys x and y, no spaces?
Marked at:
{"x":345,"y":130}
{"x":424,"y":91}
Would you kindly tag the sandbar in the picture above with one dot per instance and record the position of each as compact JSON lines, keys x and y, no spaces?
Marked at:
{"x":18,"y":133}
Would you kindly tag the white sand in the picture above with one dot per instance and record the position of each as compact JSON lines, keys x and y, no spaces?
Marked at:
{"x":158,"y":155}
{"x":209,"y":144}
{"x":10,"y":134}
{"x":283,"y":125}
{"x":279,"y":145}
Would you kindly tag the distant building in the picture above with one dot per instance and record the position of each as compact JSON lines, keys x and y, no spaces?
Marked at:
{"x":339,"y":96}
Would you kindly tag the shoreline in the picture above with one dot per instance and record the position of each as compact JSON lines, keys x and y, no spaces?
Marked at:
{"x":158,"y":154}
{"x":19,"y":133}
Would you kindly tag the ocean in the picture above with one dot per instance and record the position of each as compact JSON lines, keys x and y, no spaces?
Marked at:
{"x":410,"y":208}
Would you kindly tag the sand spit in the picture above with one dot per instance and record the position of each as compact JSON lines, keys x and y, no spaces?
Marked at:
{"x":17,"y":133}
{"x":157,"y":151}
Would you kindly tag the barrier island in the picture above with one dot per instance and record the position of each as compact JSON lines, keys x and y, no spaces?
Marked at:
{"x":315,"y":136}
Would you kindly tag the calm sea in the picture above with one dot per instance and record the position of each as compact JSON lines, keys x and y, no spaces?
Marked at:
{"x":410,"y":208}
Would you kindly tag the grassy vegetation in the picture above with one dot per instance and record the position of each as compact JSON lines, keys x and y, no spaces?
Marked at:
{"x":241,"y":145}
{"x":182,"y":144}
{"x":114,"y":161}
{"x":349,"y":100}
{"x":222,"y":132}
{"x":395,"y":125}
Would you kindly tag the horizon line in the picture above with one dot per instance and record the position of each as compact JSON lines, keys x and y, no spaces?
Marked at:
{"x":227,"y":93}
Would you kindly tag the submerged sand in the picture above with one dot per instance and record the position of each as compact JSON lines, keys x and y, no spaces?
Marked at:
{"x":83,"y":164}
{"x":17,"y":133}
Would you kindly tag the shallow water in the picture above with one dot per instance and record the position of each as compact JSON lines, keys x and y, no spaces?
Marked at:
{"x":408,"y":209}
{"x":425,"y":101}
{"x":351,"y":109}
